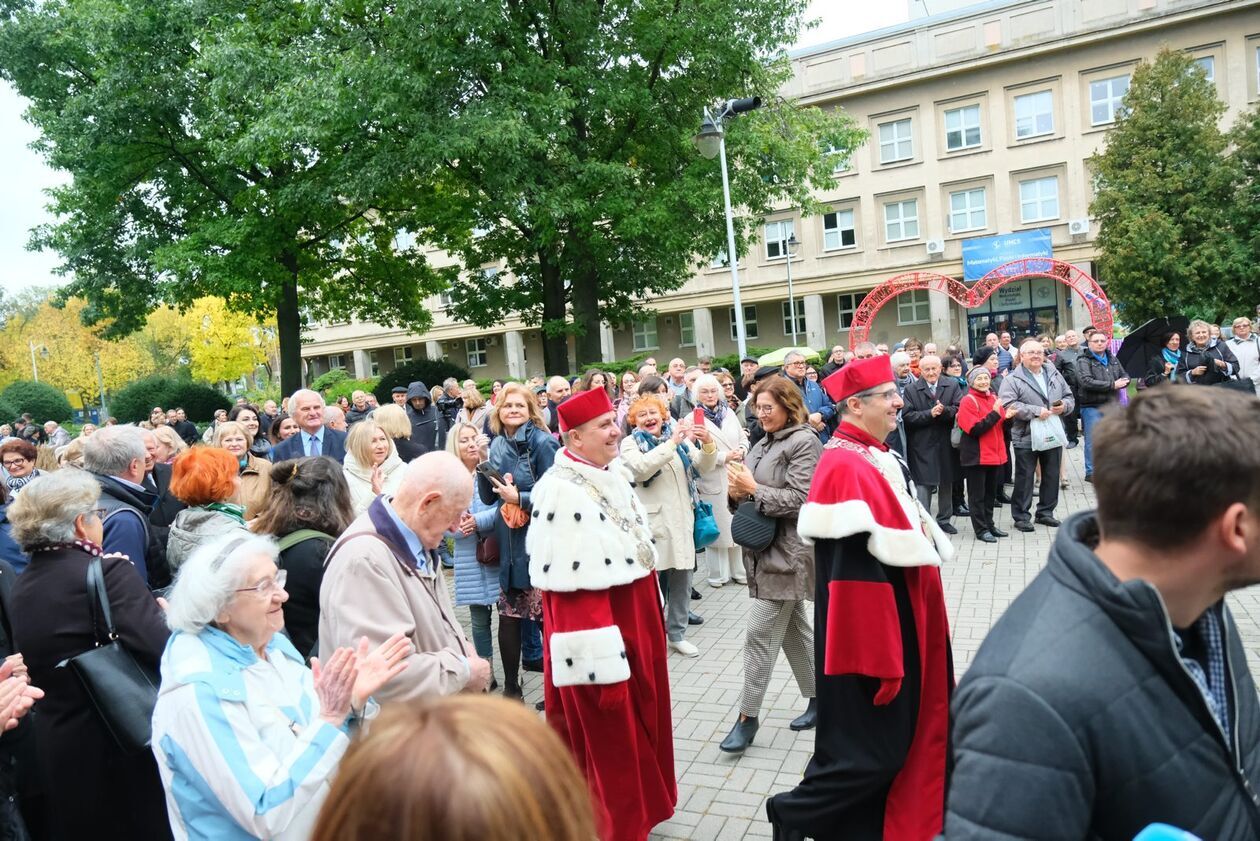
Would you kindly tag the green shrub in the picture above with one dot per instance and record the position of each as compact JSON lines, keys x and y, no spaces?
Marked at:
{"x":133,"y":402}
{"x":428,"y":371}
{"x":44,"y":402}
{"x":328,"y":379}
{"x":7,"y":412}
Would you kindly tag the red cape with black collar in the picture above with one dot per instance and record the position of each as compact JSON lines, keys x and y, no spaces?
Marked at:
{"x":879,"y":768}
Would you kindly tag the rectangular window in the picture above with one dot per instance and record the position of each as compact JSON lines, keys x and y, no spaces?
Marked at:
{"x":686,"y":329}
{"x":967,"y":211}
{"x":847,"y":304}
{"x":1208,"y":65}
{"x":402,"y":356}
{"x":750,"y":322}
{"x":777,"y":236}
{"x":1105,"y":97}
{"x":800,"y":318}
{"x":719,"y":260}
{"x":645,"y":334}
{"x":901,"y":220}
{"x":374,"y":364}
{"x":896,"y":142}
{"x":1034,"y":115}
{"x":1039,"y":199}
{"x":444,"y":300}
{"x":840,"y":159}
{"x":838,"y":230}
{"x":913,"y":307}
{"x":336,"y":360}
{"x":478,"y":357}
{"x":962,"y":128}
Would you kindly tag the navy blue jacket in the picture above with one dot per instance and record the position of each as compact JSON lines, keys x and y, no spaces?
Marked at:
{"x":334,"y":446}
{"x":528,"y":454}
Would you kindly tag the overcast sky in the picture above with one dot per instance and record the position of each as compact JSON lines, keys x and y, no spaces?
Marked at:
{"x":26,"y":177}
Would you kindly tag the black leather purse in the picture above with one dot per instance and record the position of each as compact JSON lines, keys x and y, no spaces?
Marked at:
{"x":751,"y":529}
{"x":121,"y":690}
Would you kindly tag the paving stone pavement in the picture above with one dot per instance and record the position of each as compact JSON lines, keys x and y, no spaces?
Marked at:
{"x":723,"y":797}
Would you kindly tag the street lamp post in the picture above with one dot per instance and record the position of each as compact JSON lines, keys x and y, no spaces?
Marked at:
{"x":711,"y":142}
{"x":34,"y":367}
{"x":789,"y":246}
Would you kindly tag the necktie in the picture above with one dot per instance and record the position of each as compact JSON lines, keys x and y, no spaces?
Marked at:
{"x":315,"y":446}
{"x":932,"y":388}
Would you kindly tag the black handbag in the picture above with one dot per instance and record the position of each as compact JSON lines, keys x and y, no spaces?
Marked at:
{"x":121,"y":690}
{"x":751,"y":529}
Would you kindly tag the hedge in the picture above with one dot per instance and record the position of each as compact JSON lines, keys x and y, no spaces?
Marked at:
{"x":337,"y":383}
{"x":41,"y":400}
{"x":133,"y":402}
{"x":431,"y":372}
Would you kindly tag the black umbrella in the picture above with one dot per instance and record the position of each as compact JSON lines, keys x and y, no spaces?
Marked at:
{"x":1147,"y":342}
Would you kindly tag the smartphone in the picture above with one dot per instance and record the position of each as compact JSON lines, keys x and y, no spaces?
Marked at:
{"x":1056,"y":404}
{"x":697,"y":416}
{"x":490,"y":473}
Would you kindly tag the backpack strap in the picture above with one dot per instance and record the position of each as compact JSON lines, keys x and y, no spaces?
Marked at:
{"x":301,"y":536}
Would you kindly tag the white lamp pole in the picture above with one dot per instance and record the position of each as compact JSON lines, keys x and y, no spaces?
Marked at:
{"x":788,"y":246}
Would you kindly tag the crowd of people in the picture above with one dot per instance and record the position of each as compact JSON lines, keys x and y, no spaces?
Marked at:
{"x":279,"y":577}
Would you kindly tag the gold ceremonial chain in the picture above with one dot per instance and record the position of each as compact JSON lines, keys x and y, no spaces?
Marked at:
{"x":646,"y":558}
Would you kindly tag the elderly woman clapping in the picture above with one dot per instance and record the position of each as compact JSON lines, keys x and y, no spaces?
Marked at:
{"x":246,"y":736}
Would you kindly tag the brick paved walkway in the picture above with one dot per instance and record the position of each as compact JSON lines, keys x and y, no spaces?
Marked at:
{"x":723,"y":797}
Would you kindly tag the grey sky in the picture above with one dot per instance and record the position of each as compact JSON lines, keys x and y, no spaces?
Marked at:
{"x":26,"y":177}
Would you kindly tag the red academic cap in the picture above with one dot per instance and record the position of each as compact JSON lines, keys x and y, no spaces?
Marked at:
{"x":582,"y":407}
{"x":858,"y":376}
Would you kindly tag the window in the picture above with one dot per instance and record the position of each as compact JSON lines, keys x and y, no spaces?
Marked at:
{"x":750,"y":322}
{"x":895,"y":141}
{"x":1039,"y":199}
{"x":402,"y":356}
{"x":645,"y":334}
{"x":962,"y":128}
{"x":720,"y":260}
{"x":913,"y":307}
{"x":336,"y":360}
{"x":444,"y":300}
{"x":901,"y":220}
{"x":799,"y":327}
{"x":967,"y":211}
{"x":686,"y":329}
{"x":840,"y":159}
{"x":1105,"y":97}
{"x":838,"y":230}
{"x":1208,"y":65}
{"x":847,"y":304}
{"x":374,"y":364}
{"x":1034,"y":115}
{"x":476,"y":352}
{"x":777,"y":236}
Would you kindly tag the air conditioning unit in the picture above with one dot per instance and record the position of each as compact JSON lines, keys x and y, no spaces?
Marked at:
{"x":935,"y":246}
{"x":1078,"y":227}
{"x":492,"y":341}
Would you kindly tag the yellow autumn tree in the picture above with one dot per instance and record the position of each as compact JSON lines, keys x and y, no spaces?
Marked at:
{"x":223,"y":345}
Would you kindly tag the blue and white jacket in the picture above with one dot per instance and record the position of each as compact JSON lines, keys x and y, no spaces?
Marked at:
{"x":240,"y":746}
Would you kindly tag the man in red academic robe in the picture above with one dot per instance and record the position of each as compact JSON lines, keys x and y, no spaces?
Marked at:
{"x":607,"y":686}
{"x":883,"y":657}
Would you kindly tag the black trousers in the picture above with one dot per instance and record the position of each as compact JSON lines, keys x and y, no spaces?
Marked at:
{"x":982,"y":488}
{"x":1005,"y":470}
{"x":1071,"y":423}
{"x":1026,"y":462}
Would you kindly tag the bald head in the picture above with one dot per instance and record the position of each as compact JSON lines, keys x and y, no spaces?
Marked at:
{"x":557,"y":389}
{"x":436,"y":488}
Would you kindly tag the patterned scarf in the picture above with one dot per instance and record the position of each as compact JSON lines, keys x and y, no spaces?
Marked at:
{"x":648,"y":442}
{"x":717,"y":414}
{"x":16,"y":483}
{"x":81,"y":544}
{"x":231,"y":509}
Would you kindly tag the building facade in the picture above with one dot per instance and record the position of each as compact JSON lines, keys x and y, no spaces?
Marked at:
{"x":981,"y":123}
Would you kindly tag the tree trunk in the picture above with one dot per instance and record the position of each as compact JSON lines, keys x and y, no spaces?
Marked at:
{"x":586,"y":311}
{"x":289,"y":329}
{"x":555,"y":342}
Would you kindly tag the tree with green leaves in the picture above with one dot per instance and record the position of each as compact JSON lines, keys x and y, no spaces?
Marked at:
{"x":214,"y":152}
{"x":1164,"y":198}
{"x":1245,"y":158}
{"x":553,"y":139}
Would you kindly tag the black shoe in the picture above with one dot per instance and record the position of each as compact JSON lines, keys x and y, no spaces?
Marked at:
{"x":741,"y":735}
{"x":807,"y":720}
{"x":1089,"y":477}
{"x":533,"y":665}
{"x":695,"y":594}
{"x":986,"y":537}
{"x":494,"y":683}
{"x":1004,"y":499}
{"x":514,"y":692}
{"x":948,"y":528}
{"x":694,"y":618}
{"x":1071,"y":445}
{"x":541,"y":706}
{"x":997,"y":532}
{"x":1048,"y":521}
{"x":962,"y":511}
{"x":1023,"y":525}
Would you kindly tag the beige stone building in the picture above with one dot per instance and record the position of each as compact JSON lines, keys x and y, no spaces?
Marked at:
{"x":981,"y":120}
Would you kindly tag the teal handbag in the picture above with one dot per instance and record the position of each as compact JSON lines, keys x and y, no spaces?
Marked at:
{"x":706,"y":529}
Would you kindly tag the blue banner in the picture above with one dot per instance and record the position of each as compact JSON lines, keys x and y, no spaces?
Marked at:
{"x":984,"y":254}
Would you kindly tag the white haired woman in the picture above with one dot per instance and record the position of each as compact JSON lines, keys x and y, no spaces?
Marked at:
{"x":372,"y":464}
{"x":723,"y":558}
{"x":246,"y":736}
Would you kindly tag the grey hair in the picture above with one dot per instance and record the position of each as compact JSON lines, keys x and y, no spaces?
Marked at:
{"x":900,"y":358}
{"x":1196,"y":324}
{"x":43,"y":513}
{"x":701,"y":381}
{"x":301,"y":392}
{"x":449,"y":382}
{"x":790,"y":356}
{"x":210,"y":577}
{"x":112,"y":449}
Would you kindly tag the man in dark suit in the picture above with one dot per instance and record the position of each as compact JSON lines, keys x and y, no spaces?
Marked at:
{"x":313,"y":438}
{"x":931,"y":406}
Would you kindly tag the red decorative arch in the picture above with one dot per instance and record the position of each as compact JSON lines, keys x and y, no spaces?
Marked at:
{"x":1066,"y":273}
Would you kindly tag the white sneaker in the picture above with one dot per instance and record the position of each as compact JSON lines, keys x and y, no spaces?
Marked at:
{"x":716,"y":582}
{"x":684,"y":648}
{"x":740,"y":581}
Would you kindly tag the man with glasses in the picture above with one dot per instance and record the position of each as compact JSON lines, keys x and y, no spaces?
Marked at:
{"x":834,"y":362}
{"x":884,"y":672}
{"x":1037,"y":392}
{"x":1246,"y":347}
{"x":820,"y":410}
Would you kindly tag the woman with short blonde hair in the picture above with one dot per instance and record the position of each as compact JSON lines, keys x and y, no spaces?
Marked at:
{"x":255,"y":471}
{"x":169,"y":443}
{"x":372,"y":464}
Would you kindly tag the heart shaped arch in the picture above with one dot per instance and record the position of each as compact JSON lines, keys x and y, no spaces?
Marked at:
{"x":972,"y":296}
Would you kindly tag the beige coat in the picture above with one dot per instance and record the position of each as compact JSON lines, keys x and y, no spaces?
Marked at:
{"x":359,"y":478}
{"x":783,"y":463}
{"x":255,"y":486}
{"x":367,"y":592}
{"x":666,"y":498}
{"x":713,"y":485}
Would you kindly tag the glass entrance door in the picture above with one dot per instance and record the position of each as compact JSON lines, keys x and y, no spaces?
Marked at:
{"x":1020,"y":324}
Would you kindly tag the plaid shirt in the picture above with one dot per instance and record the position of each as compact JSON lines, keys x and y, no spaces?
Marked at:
{"x":1212,"y":682}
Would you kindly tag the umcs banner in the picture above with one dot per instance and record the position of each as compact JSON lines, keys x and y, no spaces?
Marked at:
{"x":984,"y":254}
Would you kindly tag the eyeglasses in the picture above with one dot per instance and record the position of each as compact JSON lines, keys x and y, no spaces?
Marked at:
{"x":763,"y":409}
{"x":98,"y":513}
{"x":794,"y":364}
{"x":885,"y":395}
{"x":14,"y":462}
{"x":268,"y":585}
